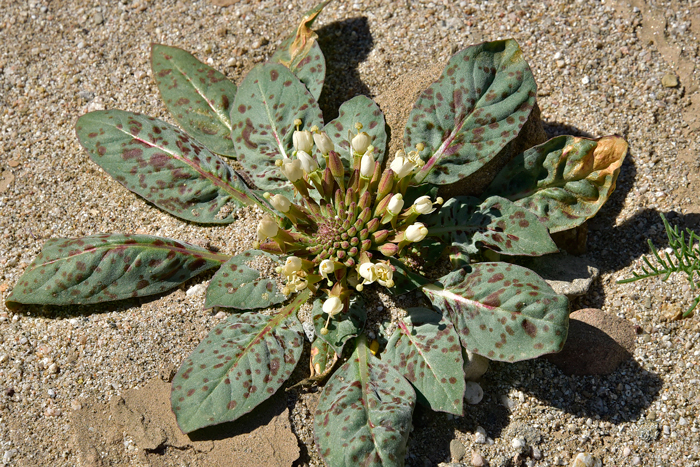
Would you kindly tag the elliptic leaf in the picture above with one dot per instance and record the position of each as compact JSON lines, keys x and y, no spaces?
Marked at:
{"x":239,"y":284}
{"x":364,"y":414}
{"x":240,"y":364}
{"x":341,"y":327}
{"x":197,"y":96}
{"x":497,"y":224}
{"x":102,"y":268}
{"x":477,"y":106}
{"x":164,"y":165}
{"x":268,"y":101}
{"x":301,"y":53}
{"x":425,"y":349}
{"x":564,"y":180}
{"x":502,"y":311}
{"x":359,"y":109}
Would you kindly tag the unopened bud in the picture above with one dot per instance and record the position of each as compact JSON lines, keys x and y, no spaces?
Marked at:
{"x":267,"y":228}
{"x":416,"y":232}
{"x":281,"y":203}
{"x":292,"y":169}
{"x":380,"y":236}
{"x":324,"y":143}
{"x":308,"y":163}
{"x":335,"y":164}
{"x":395,"y":205}
{"x":388,"y":249}
{"x":386,"y":183}
{"x":303,"y":140}
{"x":367,"y":165}
{"x":361,"y":142}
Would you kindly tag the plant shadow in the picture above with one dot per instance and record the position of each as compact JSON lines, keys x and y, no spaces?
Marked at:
{"x":345,"y":44}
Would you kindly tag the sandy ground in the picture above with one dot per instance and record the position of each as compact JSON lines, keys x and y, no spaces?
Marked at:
{"x":85,"y":385}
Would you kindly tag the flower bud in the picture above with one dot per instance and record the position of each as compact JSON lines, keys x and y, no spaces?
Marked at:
{"x":291,"y":168}
{"x":308,"y":163}
{"x":267,"y":228}
{"x":281,"y":203}
{"x":416,"y":232}
{"x":395,"y":204}
{"x":336,"y":165}
{"x":324,"y":143}
{"x":303,"y":141}
{"x":367,"y":272}
{"x":332,"y":306}
{"x":386,"y":183}
{"x":388,"y":249}
{"x":361,"y":142}
{"x":402,"y":166}
{"x":367,"y":166}
{"x":423,"y":205}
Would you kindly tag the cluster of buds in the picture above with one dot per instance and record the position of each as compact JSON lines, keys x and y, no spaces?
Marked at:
{"x":343,"y":224}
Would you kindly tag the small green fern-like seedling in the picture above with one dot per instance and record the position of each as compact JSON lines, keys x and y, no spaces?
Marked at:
{"x":685,"y":248}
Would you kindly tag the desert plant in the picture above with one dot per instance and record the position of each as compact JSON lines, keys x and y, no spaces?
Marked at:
{"x":339,"y":219}
{"x":681,"y":256}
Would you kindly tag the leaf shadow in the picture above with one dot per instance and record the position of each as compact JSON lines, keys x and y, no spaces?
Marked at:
{"x":345,"y":44}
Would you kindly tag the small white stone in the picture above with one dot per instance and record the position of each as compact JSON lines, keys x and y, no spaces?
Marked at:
{"x":474,"y":393}
{"x":627,"y":451}
{"x":480,"y":435}
{"x":220,"y":315}
{"x":196,"y":290}
{"x":518,"y":443}
{"x":474,"y":365}
{"x":536,"y":453}
{"x":585,"y":80}
{"x":586,"y":460}
{"x":557,"y":56}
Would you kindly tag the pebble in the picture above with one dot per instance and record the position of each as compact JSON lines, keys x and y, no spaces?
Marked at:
{"x":478,"y":460}
{"x":518,"y":443}
{"x":669,"y":80}
{"x":473,"y":393}
{"x":457,"y":450}
{"x":196,"y":289}
{"x":586,"y":460}
{"x":480,"y":435}
{"x":536,"y":453}
{"x":626,"y":451}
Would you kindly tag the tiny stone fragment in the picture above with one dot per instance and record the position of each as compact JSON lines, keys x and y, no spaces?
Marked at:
{"x":669,"y":80}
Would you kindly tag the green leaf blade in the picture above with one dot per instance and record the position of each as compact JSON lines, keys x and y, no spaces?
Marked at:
{"x":101,"y":268}
{"x":496,"y":223}
{"x":426,"y":351}
{"x":268,"y":101}
{"x":502,"y":311}
{"x":364,"y":414}
{"x":565,"y":180}
{"x":166,"y":167}
{"x":237,"y":284}
{"x":240,"y":364}
{"x":343,"y":328}
{"x":476,"y":107}
{"x":197,"y":96}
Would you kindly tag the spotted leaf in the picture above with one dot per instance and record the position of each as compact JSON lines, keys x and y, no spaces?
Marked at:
{"x":165,"y":166}
{"x":301,"y":53}
{"x":239,"y":365}
{"x":364,"y":413}
{"x":497,"y":224}
{"x":363,"y":110}
{"x":477,"y":106}
{"x":239,"y":283}
{"x":425,"y":349}
{"x":341,"y":327}
{"x":405,"y":280}
{"x":564,"y":180}
{"x":502,"y":311}
{"x":268,"y":101}
{"x":197,"y":96}
{"x":102,"y":268}
{"x":323,"y":358}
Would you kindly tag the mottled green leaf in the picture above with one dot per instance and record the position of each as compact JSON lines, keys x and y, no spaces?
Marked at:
{"x":477,"y":106}
{"x":161,"y":163}
{"x":364,"y":414}
{"x":268,"y":100}
{"x":239,"y":365}
{"x":405,"y":280}
{"x":301,"y":53}
{"x":323,"y":357}
{"x":359,"y":109}
{"x":502,"y":311}
{"x":245,"y":282}
{"x":197,"y":96}
{"x":341,"y":327}
{"x":564,"y":180}
{"x":497,"y":224}
{"x":425,"y":349}
{"x":102,"y":268}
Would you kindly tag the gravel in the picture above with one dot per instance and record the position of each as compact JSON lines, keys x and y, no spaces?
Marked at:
{"x":613,"y":67}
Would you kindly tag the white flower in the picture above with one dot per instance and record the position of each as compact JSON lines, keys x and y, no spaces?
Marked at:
{"x":416,"y":232}
{"x":367,"y":165}
{"x":326,"y":267}
{"x":324,"y":143}
{"x":281,"y":203}
{"x":361,"y":142}
{"x":267,"y":228}
{"x":332,"y":306}
{"x":303,"y":140}
{"x":291,"y":168}
{"x":395,"y":204}
{"x":423,"y":205}
{"x":308,"y":163}
{"x":402,"y":166}
{"x":368,"y":272}
{"x":385,"y":274}
{"x":292,"y":265}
